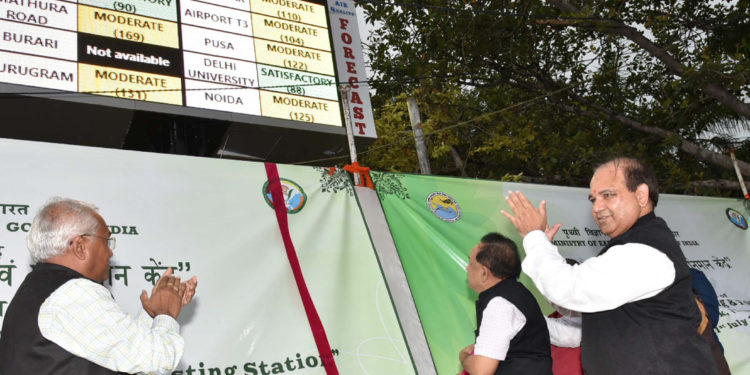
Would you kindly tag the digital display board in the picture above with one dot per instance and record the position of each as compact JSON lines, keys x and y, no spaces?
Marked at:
{"x":266,"y":58}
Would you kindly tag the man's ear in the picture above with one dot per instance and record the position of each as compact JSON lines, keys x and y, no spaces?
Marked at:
{"x":78,"y":248}
{"x":641,"y":193}
{"x":485,"y":273}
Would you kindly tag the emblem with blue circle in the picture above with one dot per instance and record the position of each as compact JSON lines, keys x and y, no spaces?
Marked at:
{"x":737,"y":218}
{"x":294,"y":197}
{"x":444,"y":207}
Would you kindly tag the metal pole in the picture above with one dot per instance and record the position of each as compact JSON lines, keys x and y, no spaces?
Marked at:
{"x":739,"y":175}
{"x":345,"y":89}
{"x":416,"y":125}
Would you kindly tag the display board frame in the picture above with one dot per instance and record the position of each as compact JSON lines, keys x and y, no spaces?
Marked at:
{"x":332,"y":123}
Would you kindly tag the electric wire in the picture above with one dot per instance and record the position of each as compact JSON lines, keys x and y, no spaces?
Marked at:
{"x":369,"y":82}
{"x":638,"y":18}
{"x":522,"y":104}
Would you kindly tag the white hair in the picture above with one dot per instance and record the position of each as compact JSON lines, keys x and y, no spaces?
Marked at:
{"x":57,"y":223}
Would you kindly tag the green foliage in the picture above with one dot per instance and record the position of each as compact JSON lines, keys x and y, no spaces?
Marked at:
{"x":522,"y":88}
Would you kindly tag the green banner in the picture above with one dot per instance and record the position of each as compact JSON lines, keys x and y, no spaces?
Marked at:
{"x":435,"y":221}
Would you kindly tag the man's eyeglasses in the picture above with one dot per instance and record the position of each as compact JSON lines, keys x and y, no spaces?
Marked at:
{"x":110,"y":240}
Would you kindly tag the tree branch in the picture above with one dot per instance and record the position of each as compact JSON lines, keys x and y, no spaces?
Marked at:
{"x":617,"y":27}
{"x":691,"y":148}
{"x":458,"y":161}
{"x":701,"y":153}
{"x":718,"y":184}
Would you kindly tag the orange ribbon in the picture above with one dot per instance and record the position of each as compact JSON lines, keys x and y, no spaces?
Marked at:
{"x":364,"y":174}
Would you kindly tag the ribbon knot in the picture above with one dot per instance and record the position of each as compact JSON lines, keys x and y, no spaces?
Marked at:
{"x":364,"y":174}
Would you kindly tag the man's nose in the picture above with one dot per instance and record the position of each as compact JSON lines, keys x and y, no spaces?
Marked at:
{"x":598,"y":205}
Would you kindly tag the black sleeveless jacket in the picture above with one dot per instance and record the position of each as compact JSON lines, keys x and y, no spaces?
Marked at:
{"x":23,"y":349}
{"x":656,"y":335}
{"x":529,"y":350}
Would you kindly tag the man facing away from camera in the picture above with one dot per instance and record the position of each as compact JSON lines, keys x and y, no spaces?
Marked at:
{"x":511,"y":335}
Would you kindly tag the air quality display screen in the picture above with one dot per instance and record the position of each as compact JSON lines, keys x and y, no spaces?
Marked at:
{"x":269,"y":58}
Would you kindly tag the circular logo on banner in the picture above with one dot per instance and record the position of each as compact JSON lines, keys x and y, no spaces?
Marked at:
{"x":444,"y":207}
{"x":736,"y":218}
{"x":294,"y":197}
